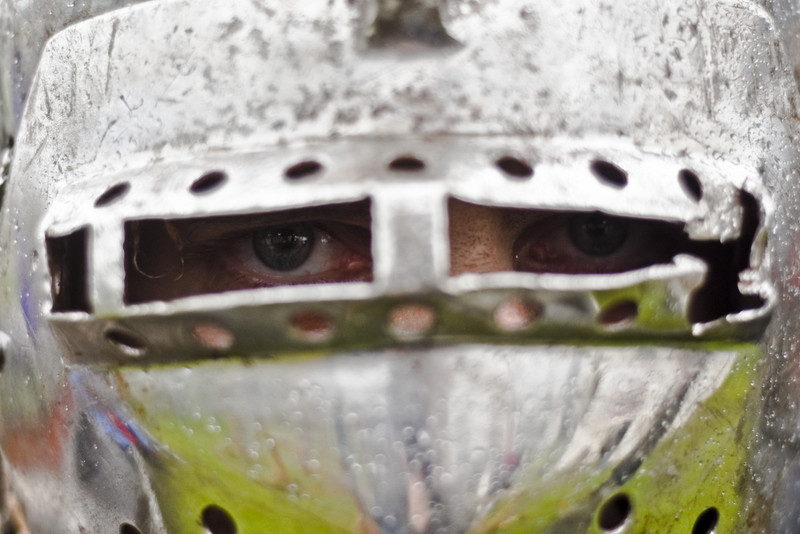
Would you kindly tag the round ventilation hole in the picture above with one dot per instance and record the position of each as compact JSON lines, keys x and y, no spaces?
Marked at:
{"x":691,"y":184}
{"x":706,"y":522}
{"x":303,"y":170}
{"x":213,"y":336}
{"x":208,"y":182}
{"x":515,"y":314}
{"x":5,"y":346}
{"x":514,"y":167}
{"x":614,"y":512}
{"x":407,"y":164}
{"x":112,"y":194}
{"x":217,"y":521}
{"x":127,"y":528}
{"x":312,"y":326}
{"x":609,"y":173}
{"x":128,"y":343}
{"x":411,"y":320}
{"x":619,"y":313}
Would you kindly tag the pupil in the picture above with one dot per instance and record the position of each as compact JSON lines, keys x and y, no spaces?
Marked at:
{"x":284,"y":248}
{"x":597,"y":234}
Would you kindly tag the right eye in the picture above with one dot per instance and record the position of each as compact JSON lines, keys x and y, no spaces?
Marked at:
{"x":169,"y":259}
{"x":284,"y":248}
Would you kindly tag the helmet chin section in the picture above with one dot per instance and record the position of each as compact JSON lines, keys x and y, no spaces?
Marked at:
{"x":451,"y":439}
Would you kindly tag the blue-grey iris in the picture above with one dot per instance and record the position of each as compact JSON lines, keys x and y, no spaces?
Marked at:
{"x":285,"y":247}
{"x":598,"y":234}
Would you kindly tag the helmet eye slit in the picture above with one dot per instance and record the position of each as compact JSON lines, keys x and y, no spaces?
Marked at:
{"x":167,"y":259}
{"x":68,"y":260}
{"x":491,"y":239}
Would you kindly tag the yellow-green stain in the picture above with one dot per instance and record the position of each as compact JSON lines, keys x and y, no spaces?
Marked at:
{"x":692,"y":469}
{"x":657,"y":310}
{"x":282,"y":498}
{"x":695,"y":467}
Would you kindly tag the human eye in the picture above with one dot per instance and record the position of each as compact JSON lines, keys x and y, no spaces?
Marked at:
{"x":594,"y":243}
{"x":301,"y":252}
{"x":169,"y":259}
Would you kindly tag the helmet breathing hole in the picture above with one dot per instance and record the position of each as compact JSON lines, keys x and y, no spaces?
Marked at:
{"x":208,"y":182}
{"x":619,"y":313}
{"x":691,"y":184}
{"x":312,"y":326}
{"x":515,"y":314}
{"x":614,"y":512}
{"x":213,"y":336}
{"x":411,"y":320}
{"x":112,"y":194}
{"x":302,"y":170}
{"x":706,"y":522}
{"x":609,"y":173}
{"x":129,"y":343}
{"x":407,"y":164}
{"x":217,"y":521}
{"x":515,"y":167}
{"x":127,"y":528}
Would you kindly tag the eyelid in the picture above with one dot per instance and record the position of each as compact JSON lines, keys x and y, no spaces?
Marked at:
{"x":214,"y":232}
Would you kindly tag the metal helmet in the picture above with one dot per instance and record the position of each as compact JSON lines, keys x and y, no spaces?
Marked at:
{"x":244,"y":286}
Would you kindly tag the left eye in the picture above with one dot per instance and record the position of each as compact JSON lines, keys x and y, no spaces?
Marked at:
{"x":169,"y":259}
{"x":284,"y":248}
{"x":575,"y":243}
